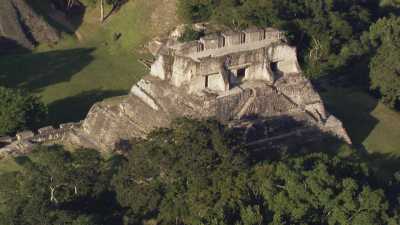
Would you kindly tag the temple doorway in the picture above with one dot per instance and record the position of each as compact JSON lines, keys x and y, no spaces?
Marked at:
{"x":274,"y":67}
{"x":206,"y":81}
{"x":241,"y":74}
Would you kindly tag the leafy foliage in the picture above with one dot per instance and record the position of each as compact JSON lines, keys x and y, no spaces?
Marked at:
{"x":56,"y":187}
{"x":19,"y":110}
{"x":184,"y":174}
{"x":318,"y":189}
{"x":196,"y":172}
{"x":189,"y":34}
{"x":191,"y":174}
{"x":385,"y":69}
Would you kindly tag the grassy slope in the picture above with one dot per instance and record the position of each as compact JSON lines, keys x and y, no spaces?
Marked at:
{"x":371,"y":125}
{"x":73,"y":75}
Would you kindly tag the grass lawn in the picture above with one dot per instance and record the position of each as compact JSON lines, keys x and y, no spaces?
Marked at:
{"x":372,"y":126}
{"x":73,"y":75}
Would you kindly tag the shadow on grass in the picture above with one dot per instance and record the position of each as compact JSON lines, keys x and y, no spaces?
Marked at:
{"x":384,"y":167}
{"x":75,"y":108}
{"x":386,"y":164}
{"x":38,"y":70}
{"x":353,"y":107}
{"x":8,"y":46}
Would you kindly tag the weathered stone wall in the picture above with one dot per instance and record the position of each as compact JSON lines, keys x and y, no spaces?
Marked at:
{"x":25,"y":141}
{"x":158,"y":68}
{"x":210,"y":42}
{"x":216,"y":82}
{"x":183,"y":70}
{"x":256,"y":55}
{"x":227,"y":107}
{"x":285,"y":56}
{"x":135,"y":116}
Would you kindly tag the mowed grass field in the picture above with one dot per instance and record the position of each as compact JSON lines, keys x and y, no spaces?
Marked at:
{"x":74,"y":74}
{"x":372,"y":126}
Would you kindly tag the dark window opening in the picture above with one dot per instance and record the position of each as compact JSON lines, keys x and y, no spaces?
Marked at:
{"x":241,"y":74}
{"x":262,"y":36}
{"x":274,"y":67}
{"x":206,"y":81}
{"x":242,"y":38}
{"x":200,"y":47}
{"x":221,"y":43}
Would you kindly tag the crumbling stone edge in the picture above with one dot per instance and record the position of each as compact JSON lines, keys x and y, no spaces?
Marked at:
{"x":25,"y":141}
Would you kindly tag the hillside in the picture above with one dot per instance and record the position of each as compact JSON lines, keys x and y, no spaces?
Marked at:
{"x":76,"y":73}
{"x":20,"y":23}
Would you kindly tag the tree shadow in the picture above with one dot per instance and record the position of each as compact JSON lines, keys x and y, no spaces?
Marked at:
{"x":384,"y":167}
{"x":75,"y":108}
{"x":385,"y":164}
{"x":353,"y":106}
{"x":270,"y":138}
{"x":38,"y":70}
{"x":115,"y":8}
{"x":389,"y":10}
{"x":9,"y":46}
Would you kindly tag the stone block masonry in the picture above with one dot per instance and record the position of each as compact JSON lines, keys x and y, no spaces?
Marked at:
{"x":248,"y":80}
{"x":25,"y":141}
{"x":220,"y":62}
{"x":239,"y":78}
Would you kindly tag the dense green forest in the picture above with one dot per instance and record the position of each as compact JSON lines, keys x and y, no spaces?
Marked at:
{"x":351,"y":38}
{"x":197,"y":172}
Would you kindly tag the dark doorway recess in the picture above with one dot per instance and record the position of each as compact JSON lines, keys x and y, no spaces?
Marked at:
{"x":241,"y":74}
{"x":200,"y":47}
{"x":206,"y":81}
{"x":274,"y":67}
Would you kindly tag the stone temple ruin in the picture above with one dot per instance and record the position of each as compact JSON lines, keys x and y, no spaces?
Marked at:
{"x":250,"y":80}
{"x":221,"y":62}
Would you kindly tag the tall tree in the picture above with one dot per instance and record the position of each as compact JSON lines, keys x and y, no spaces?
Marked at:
{"x":57,"y":187}
{"x":384,"y":67}
{"x":20,"y":110}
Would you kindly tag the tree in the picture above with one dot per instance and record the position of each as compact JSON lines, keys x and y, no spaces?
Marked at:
{"x":320,"y":189}
{"x":183,"y":175}
{"x":101,"y":11}
{"x":384,"y":67}
{"x":195,"y":10}
{"x":57,"y":187}
{"x":390,"y":3}
{"x":20,"y":110}
{"x":192,"y":174}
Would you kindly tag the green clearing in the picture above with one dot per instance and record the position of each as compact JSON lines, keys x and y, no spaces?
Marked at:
{"x":73,"y":75}
{"x":8,"y":165}
{"x":370,"y":124}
